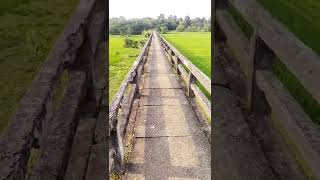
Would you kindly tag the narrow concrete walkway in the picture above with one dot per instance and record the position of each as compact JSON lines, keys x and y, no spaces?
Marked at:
{"x":169,"y":143}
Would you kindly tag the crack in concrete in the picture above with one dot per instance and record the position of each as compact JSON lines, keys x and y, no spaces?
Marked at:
{"x":162,"y":88}
{"x":163,"y":136}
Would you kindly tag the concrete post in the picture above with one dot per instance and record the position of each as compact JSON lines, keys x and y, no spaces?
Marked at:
{"x":191,"y":80}
{"x":251,"y":72}
{"x":170,"y":56}
{"x":177,"y":62}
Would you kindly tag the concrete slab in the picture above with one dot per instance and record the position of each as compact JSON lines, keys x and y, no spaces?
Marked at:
{"x":154,"y":64}
{"x":153,"y":121}
{"x":171,"y":157}
{"x":97,"y":165}
{"x":168,"y":97}
{"x":130,"y":176}
{"x":237,"y":154}
{"x":80,"y":149}
{"x":159,"y":69}
{"x":161,"y":81}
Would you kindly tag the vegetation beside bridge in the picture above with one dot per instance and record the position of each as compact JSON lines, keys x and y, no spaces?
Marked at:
{"x":28,"y":30}
{"x":122,"y":26}
{"x":120,"y":60}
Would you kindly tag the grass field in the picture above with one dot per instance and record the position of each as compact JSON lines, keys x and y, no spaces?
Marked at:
{"x":302,"y":17}
{"x":299,"y":23}
{"x":28,"y":30}
{"x":120,"y":61}
{"x":196,"y":46}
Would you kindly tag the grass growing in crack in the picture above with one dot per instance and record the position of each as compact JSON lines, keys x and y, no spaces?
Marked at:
{"x":28,"y":30}
{"x":33,"y":159}
{"x":129,"y":148}
{"x":59,"y":90}
{"x":115,"y":177}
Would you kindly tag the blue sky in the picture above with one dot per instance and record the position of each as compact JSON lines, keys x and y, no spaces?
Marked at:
{"x":152,"y":8}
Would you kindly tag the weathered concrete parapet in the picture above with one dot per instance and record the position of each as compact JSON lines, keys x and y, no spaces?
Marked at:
{"x":300,"y":59}
{"x":255,"y":57}
{"x":123,"y":102}
{"x":54,"y":155}
{"x":35,"y":112}
{"x":237,"y":154}
{"x":291,"y":119}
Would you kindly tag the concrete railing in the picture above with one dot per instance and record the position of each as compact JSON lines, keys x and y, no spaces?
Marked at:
{"x":189,"y":76}
{"x":44,"y":122}
{"x":123,"y":101}
{"x":272,"y":39}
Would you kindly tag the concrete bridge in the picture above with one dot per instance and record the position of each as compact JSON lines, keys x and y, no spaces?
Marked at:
{"x":165,"y":137}
{"x":158,"y":121}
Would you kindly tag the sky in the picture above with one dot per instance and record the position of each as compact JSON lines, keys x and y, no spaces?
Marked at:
{"x":153,"y":8}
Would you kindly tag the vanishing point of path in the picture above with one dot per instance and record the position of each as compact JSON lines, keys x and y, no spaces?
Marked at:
{"x":169,"y":143}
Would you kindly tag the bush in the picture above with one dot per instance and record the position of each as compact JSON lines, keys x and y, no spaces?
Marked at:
{"x":194,"y":29}
{"x":181,"y":27}
{"x":130,"y":43}
{"x":163,"y":29}
{"x":141,"y":42}
{"x":146,"y":34}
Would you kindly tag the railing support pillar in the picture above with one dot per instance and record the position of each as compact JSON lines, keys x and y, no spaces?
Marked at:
{"x":176,"y":65}
{"x":116,"y":166}
{"x":170,"y":56}
{"x":144,"y":60}
{"x":251,"y":72}
{"x":136,"y":78}
{"x":191,"y":80}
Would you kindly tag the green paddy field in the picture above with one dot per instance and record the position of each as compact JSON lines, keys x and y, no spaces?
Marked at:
{"x":120,"y":61}
{"x":196,"y":46}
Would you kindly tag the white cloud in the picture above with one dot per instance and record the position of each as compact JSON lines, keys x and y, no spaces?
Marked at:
{"x":152,"y":8}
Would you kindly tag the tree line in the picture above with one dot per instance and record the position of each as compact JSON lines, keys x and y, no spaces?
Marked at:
{"x":123,"y":26}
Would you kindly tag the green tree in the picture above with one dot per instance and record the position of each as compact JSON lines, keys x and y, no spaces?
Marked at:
{"x":136,"y":26}
{"x":181,"y":27}
{"x":163,"y":29}
{"x":187,"y":21}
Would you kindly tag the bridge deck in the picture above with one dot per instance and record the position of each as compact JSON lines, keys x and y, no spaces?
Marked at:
{"x":169,"y":143}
